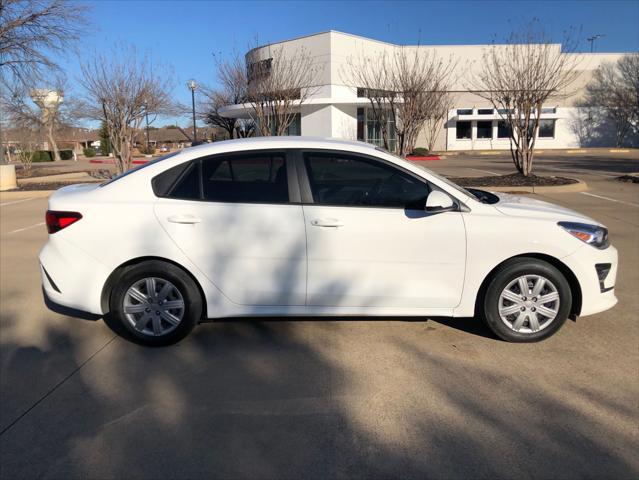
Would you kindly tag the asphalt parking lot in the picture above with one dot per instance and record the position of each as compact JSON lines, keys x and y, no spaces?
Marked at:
{"x":367,"y":398}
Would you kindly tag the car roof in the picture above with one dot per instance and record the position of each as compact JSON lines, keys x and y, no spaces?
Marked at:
{"x":253,"y":143}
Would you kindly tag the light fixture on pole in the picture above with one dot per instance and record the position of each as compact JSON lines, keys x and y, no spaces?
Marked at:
{"x":146,"y":114}
{"x":192,"y":85}
{"x":592,"y":41}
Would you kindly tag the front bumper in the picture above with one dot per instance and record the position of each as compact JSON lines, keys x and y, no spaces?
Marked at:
{"x":597,"y":295}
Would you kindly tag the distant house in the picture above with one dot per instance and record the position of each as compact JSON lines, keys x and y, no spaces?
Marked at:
{"x":67,"y":138}
{"x":177,"y":137}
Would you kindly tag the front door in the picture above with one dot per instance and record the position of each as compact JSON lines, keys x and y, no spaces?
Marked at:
{"x":371,"y":244}
{"x":241,"y":230}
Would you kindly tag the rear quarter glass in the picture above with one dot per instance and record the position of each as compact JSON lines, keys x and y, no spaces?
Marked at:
{"x":136,"y":169}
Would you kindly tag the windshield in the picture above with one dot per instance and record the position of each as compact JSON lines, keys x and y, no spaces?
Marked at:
{"x":128,"y":172}
{"x":439,"y":177}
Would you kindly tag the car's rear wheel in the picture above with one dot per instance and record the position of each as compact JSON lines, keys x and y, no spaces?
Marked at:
{"x":527,"y":300}
{"x":155,"y":303}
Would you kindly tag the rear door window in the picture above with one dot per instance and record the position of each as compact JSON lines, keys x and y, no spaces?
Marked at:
{"x":250,"y":178}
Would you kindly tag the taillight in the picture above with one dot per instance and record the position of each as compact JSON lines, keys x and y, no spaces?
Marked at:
{"x":56,"y":221}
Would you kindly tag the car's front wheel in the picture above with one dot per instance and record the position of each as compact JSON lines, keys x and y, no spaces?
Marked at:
{"x":527,"y":300}
{"x":155,"y":303}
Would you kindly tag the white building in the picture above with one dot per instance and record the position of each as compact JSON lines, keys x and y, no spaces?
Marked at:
{"x":334,"y":108}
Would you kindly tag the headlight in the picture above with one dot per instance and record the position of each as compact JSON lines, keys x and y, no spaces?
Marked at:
{"x":591,"y":234}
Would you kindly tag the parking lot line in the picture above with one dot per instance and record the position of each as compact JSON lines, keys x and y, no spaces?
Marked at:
{"x":610,"y":199}
{"x":484,"y":171}
{"x":26,"y":228}
{"x":576,"y":170}
{"x":16,"y":201}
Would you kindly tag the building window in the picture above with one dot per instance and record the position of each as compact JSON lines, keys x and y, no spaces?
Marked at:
{"x":360,"y":124}
{"x":464,"y":111}
{"x":464,"y":130}
{"x":503,"y":129}
{"x":546,"y":128}
{"x":485,"y":111}
{"x":294,"y":129}
{"x":548,"y":110}
{"x":484,"y":129}
{"x":373,"y":133}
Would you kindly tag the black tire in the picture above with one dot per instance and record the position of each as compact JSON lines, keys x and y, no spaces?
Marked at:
{"x":189,"y":291}
{"x":509,"y":272}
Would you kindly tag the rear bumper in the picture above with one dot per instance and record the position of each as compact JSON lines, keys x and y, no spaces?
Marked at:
{"x":71,"y":278}
{"x":597,"y":295}
{"x":69,"y":312}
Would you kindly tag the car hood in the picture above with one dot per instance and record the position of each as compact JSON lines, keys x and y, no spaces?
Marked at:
{"x":519,"y":206}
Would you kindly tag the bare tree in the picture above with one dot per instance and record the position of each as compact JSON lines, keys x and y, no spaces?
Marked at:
{"x":438,"y":115}
{"x":231,"y":76}
{"x":406,"y":88}
{"x":43,"y":109}
{"x":519,"y":77}
{"x":278,"y":86}
{"x":121,"y":87}
{"x":27,"y":143}
{"x":370,"y":75}
{"x":421,"y":80}
{"x":32,"y":34}
{"x":613,"y":93}
{"x":215,"y":100}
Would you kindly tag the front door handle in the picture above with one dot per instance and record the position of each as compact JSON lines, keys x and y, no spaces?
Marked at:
{"x":187,"y":219}
{"x":326,"y":222}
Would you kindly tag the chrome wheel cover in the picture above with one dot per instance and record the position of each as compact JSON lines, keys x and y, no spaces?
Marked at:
{"x":529,"y":304}
{"x":153,"y":306}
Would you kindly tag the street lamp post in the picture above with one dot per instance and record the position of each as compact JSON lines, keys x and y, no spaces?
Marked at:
{"x":193,"y":86}
{"x":146,"y":114}
{"x":592,"y":41}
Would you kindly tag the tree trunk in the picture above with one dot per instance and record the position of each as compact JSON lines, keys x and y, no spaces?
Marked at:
{"x":52,"y":143}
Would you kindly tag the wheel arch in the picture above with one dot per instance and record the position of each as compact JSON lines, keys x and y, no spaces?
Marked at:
{"x":113,"y":277}
{"x":575,"y":288}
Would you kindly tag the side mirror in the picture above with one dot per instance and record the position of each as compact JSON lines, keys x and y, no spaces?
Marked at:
{"x":437,"y":202}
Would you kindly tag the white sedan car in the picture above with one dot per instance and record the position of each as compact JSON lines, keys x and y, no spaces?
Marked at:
{"x":294,"y":226}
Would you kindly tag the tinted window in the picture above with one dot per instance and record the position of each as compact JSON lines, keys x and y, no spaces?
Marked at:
{"x":484,"y":129}
{"x":188,"y":185}
{"x":256,"y":178}
{"x":546,"y":128}
{"x":463,"y":130}
{"x":503,"y":129}
{"x":350,"y":181}
{"x":133,"y":170}
{"x":485,"y":111}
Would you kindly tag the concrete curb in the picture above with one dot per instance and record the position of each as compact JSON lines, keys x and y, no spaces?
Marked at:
{"x":580,"y":186}
{"x":70,"y":178}
{"x":22,"y":194}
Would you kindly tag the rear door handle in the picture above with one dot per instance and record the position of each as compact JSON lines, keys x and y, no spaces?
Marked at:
{"x":326,"y":222}
{"x":188,"y":219}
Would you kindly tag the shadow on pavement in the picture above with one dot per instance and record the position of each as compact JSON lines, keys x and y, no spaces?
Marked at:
{"x":275,"y":399}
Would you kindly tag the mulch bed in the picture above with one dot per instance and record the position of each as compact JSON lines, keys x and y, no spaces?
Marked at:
{"x":629,"y":178}
{"x":41,"y":172}
{"x":43,"y":186}
{"x":512,"y":180}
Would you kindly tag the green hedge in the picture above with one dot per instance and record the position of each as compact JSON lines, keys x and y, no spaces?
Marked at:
{"x":66,"y":154}
{"x":144,"y":150}
{"x":41,"y":156}
{"x":420,"y":152}
{"x":89,"y":152}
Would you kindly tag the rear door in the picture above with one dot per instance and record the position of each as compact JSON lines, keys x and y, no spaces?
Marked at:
{"x":235,"y":217}
{"x":370,"y":242}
